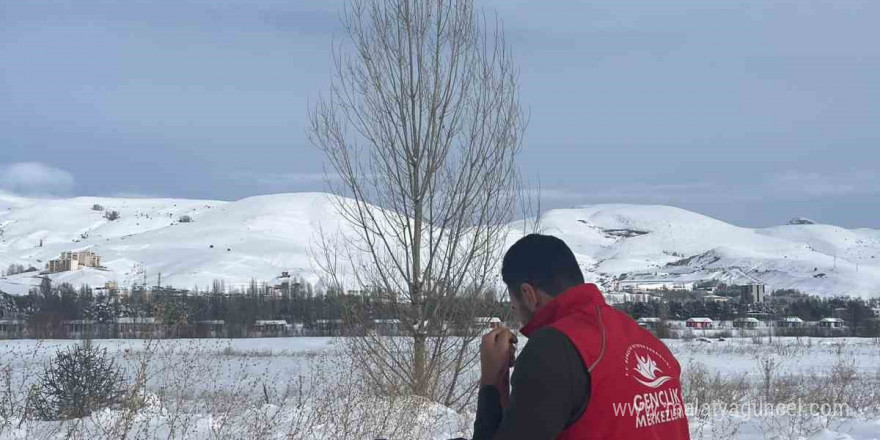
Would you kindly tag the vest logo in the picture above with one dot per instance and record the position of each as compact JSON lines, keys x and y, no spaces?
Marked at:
{"x":641,"y":364}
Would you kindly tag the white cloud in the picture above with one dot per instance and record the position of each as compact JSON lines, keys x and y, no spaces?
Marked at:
{"x":631,"y":193}
{"x":788,"y":185}
{"x":35,"y":178}
{"x":801,"y":184}
{"x":284,"y":181}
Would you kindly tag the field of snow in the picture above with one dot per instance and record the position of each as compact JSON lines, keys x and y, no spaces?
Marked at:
{"x":259,"y":237}
{"x":303,"y":388}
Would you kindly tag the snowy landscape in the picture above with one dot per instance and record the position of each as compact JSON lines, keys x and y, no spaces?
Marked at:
{"x":301,"y":388}
{"x":258,"y":238}
{"x":749,"y":387}
{"x":287,"y":219}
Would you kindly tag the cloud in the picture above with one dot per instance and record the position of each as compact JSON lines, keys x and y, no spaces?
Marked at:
{"x":35,"y":178}
{"x":284,"y":181}
{"x":783,"y":186}
{"x":817,"y":185}
{"x":135,"y":195}
{"x":631,"y":193}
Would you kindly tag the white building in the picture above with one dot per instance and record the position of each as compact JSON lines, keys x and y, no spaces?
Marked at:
{"x":791,"y":322}
{"x":624,"y":297}
{"x":831,"y":323}
{"x":655,"y":285}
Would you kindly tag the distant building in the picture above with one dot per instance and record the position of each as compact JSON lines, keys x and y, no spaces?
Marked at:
{"x":71,"y":261}
{"x":108,"y":287}
{"x":624,"y":297}
{"x":649,"y":323}
{"x":791,"y":322}
{"x":753,"y":294}
{"x":746,"y":323}
{"x":715,"y":299}
{"x":655,"y":285}
{"x":271,"y":327}
{"x":282,"y":285}
{"x":876,"y":311}
{"x":699,"y":323}
{"x":831,"y":323}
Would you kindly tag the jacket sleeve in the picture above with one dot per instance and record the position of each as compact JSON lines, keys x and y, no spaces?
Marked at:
{"x":549,"y":391}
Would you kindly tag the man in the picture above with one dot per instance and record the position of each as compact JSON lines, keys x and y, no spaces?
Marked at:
{"x":588,"y":370}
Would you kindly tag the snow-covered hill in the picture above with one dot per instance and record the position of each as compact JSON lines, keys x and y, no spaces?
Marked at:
{"x":259,"y":237}
{"x":635,"y":242}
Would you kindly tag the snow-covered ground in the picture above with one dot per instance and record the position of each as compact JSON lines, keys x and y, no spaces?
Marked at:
{"x":259,"y":237}
{"x":303,"y":388}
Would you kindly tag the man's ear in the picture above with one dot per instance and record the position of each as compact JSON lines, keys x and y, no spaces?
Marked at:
{"x":529,"y":295}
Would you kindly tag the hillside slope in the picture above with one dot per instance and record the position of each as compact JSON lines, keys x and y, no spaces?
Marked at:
{"x":259,"y":237}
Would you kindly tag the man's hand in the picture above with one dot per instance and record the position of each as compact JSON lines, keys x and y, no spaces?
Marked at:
{"x":497,"y":350}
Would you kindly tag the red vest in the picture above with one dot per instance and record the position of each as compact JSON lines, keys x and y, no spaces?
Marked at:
{"x":635,"y":388}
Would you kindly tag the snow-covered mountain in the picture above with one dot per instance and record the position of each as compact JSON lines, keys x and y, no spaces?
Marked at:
{"x":259,"y":237}
{"x":634,"y":242}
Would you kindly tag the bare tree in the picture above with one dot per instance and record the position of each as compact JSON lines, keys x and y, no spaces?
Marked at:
{"x":421,"y":128}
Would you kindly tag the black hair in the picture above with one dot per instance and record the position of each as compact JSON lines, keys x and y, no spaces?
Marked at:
{"x":543,"y":261}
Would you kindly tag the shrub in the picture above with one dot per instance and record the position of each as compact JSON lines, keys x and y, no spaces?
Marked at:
{"x":97,"y":207}
{"x":111,"y":215}
{"x":78,"y":381}
{"x":185,"y":219}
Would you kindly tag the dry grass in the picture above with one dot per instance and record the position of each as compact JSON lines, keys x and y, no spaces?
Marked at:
{"x":200,"y":390}
{"x":845,"y":389}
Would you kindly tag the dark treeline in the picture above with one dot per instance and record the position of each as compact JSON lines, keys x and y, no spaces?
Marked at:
{"x":48,"y":308}
{"x":858,"y":313}
{"x":324,"y":311}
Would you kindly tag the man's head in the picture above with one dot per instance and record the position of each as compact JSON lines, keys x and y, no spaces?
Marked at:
{"x":536,"y":269}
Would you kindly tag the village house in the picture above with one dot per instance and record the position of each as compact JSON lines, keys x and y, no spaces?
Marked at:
{"x":790,"y":322}
{"x":699,"y":323}
{"x":72,"y":261}
{"x":831,"y":323}
{"x":649,"y":323}
{"x":746,"y":323}
{"x":715,"y":299}
{"x":276,"y":327}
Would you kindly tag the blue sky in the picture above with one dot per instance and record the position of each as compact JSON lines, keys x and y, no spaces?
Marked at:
{"x":749,"y":111}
